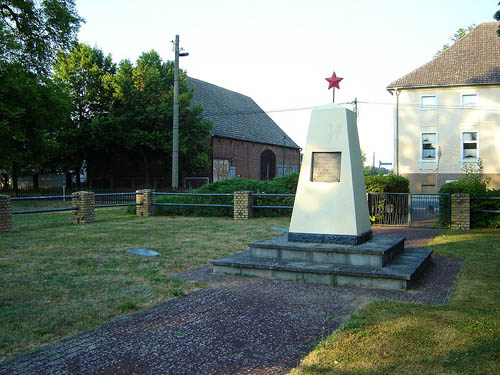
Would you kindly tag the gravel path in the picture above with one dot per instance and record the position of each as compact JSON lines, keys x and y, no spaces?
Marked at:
{"x":237,"y":325}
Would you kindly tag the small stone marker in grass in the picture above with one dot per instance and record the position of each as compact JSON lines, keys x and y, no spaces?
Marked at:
{"x":143,"y":252}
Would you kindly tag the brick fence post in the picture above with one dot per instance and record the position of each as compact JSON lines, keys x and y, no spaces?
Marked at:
{"x":5,"y":214}
{"x":144,"y":200}
{"x":243,"y":202}
{"x":85,"y":201}
{"x":460,"y":211}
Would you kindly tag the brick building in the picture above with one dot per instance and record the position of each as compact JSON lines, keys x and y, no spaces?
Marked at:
{"x":246,"y":142}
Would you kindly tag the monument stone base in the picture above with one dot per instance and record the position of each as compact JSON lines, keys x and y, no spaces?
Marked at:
{"x":381,"y":262}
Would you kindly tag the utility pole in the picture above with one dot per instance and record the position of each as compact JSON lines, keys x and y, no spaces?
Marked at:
{"x":396,"y":136}
{"x":175,"y":133}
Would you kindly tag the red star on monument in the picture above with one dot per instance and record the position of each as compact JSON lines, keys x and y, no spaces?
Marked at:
{"x":334,"y":81}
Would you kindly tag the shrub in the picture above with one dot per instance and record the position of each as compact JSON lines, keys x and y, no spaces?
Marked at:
{"x":386,"y":184}
{"x":476,"y":185}
{"x":280,"y":185}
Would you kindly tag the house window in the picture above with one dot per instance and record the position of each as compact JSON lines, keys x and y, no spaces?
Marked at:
{"x":469,"y":100}
{"x":469,"y":146}
{"x":428,"y":101}
{"x":429,"y":146}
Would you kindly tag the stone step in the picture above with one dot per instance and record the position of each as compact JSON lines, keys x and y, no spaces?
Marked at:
{"x":375,"y":253}
{"x":396,"y":275}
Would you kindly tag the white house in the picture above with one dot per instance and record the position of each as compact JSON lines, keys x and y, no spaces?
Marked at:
{"x":447,"y":113}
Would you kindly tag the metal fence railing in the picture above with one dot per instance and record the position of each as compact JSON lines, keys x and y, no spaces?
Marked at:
{"x":193,"y":204}
{"x":487,"y":205}
{"x":39,"y":199}
{"x":103,"y":200}
{"x":404,"y":209}
{"x":392,"y":209}
{"x":430,"y":210}
{"x":264,"y":202}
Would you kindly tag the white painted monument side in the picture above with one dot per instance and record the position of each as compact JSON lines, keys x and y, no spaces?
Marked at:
{"x":327,"y":203}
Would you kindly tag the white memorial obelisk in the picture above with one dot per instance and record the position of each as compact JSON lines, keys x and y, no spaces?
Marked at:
{"x":330,"y":203}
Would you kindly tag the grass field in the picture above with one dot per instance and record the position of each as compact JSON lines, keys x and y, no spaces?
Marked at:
{"x":58,"y":279}
{"x":461,"y":337}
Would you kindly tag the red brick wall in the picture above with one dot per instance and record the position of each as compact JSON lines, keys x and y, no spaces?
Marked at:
{"x":246,"y":155}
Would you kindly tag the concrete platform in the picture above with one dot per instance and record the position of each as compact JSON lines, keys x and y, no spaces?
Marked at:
{"x":377,"y":252}
{"x":398,"y":274}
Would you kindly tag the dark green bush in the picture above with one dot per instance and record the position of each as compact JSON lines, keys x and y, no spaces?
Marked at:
{"x":386,"y":184}
{"x":280,"y":185}
{"x":474,"y":184}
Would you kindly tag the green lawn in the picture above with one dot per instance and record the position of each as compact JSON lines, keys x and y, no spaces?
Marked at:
{"x":461,"y":337}
{"x":58,"y":279}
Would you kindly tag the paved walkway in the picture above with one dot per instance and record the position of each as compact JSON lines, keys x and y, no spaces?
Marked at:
{"x":236,"y":325}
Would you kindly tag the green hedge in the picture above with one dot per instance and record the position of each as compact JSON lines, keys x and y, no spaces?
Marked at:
{"x":475,"y":188}
{"x":386,"y":184}
{"x":279,"y":185}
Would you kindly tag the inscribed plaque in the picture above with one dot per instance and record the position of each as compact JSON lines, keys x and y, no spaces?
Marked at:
{"x":326,"y":166}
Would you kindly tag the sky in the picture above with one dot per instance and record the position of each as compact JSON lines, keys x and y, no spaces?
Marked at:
{"x":280,"y":52}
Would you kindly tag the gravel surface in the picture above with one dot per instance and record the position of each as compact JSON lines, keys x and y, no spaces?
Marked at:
{"x":237,"y":325}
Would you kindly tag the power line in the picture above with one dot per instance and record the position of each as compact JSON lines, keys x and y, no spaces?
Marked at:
{"x":263,"y":111}
{"x":406,"y":105}
{"x":437,"y":106}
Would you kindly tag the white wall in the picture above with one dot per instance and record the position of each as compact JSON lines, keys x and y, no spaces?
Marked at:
{"x":449,"y":119}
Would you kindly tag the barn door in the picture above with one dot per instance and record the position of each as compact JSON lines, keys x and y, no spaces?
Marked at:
{"x":267,"y":165}
{"x":221,"y":169}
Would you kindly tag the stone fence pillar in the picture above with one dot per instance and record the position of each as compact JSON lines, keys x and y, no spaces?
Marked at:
{"x":460,"y":211}
{"x":85,"y":201}
{"x":243,"y":202}
{"x":5,"y":214}
{"x":144,"y":200}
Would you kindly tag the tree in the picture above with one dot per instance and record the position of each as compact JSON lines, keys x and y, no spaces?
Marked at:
{"x":86,"y":74}
{"x":459,"y":34}
{"x":30,"y":109}
{"x":141,"y":117}
{"x":31,"y":32}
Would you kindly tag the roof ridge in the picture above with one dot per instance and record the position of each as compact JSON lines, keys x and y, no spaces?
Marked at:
{"x":219,"y":87}
{"x":237,"y":116}
{"x":434,"y":71}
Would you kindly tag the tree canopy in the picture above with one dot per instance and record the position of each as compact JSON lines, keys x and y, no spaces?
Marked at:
{"x":32,"y":106}
{"x":64,"y":104}
{"x":31,"y":32}
{"x":30,"y":110}
{"x":86,"y":75}
{"x":141,"y":117}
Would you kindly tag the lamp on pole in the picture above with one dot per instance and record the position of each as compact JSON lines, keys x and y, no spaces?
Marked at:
{"x":175,"y":133}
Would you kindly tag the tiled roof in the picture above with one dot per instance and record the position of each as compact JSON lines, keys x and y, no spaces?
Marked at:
{"x":473,"y":60}
{"x":236,"y":115}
